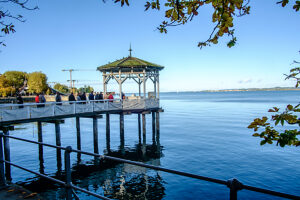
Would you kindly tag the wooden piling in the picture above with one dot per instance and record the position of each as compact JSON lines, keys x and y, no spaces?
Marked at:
{"x":57,"y":133}
{"x":107,"y":133}
{"x":78,"y":133}
{"x":122,"y":139}
{"x":41,"y":150}
{"x":153,"y":127}
{"x":122,"y":130}
{"x":78,"y":137}
{"x":139,"y":128}
{"x":58,"y":143}
{"x":7,"y":155}
{"x":157,"y":128}
{"x":95,"y":133}
{"x":144,"y":128}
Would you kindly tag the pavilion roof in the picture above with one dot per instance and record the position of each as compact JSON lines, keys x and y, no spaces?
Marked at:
{"x":128,"y":63}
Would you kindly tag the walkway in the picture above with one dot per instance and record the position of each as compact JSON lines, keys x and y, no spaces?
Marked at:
{"x":16,"y":113}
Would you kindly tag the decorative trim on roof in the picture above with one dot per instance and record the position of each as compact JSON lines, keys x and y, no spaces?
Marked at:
{"x":130,"y":62}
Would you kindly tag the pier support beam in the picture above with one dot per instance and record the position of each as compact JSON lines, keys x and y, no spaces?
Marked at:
{"x":144,"y":128}
{"x":41,"y":149}
{"x":107,"y":133}
{"x":122,"y":140}
{"x":58,"y":143}
{"x":153,"y":127}
{"x":95,"y":134}
{"x":78,"y":133}
{"x":157,"y":128}
{"x":139,"y":128}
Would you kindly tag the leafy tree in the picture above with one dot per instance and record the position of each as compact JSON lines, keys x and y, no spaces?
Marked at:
{"x":37,"y":82}
{"x":10,"y":82}
{"x":180,"y":12}
{"x":15,"y":79}
{"x":7,"y":18}
{"x":288,"y":115}
{"x":5,"y":88}
{"x":86,"y":89}
{"x":62,"y":88}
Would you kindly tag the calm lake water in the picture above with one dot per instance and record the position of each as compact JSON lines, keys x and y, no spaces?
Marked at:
{"x":201,"y":133}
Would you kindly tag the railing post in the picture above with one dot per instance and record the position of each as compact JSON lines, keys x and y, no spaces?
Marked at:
{"x":234,"y":186}
{"x":68,"y":173}
{"x":2,"y":175}
{"x":7,"y":154}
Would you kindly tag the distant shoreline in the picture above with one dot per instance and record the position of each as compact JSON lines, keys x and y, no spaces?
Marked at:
{"x":249,"y":89}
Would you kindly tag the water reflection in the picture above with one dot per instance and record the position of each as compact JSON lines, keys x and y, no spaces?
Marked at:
{"x":111,"y":178}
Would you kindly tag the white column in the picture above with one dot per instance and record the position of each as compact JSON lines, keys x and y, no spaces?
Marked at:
{"x":154,"y":83}
{"x":140,"y":87}
{"x":120,"y":84}
{"x":157,"y":85}
{"x":144,"y":82}
{"x":104,"y":84}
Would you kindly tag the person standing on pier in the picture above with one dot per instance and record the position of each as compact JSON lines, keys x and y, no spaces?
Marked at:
{"x":110,"y":97}
{"x":78,"y":98}
{"x":97,"y":97}
{"x":20,"y":100}
{"x":37,"y":99}
{"x":91,"y":96}
{"x":83,"y":97}
{"x":71,"y":97}
{"x":101,"y":97}
{"x":58,"y":99}
{"x":42,"y":99}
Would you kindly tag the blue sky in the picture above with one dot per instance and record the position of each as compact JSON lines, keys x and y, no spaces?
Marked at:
{"x":80,"y":34}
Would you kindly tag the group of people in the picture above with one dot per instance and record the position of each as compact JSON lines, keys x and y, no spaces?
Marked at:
{"x":83,"y":97}
{"x":41,"y":100}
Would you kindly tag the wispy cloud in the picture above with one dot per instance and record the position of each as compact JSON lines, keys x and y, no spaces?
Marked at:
{"x":245,"y":81}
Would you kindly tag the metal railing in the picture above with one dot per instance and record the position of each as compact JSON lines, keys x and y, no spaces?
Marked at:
{"x":13,"y":112}
{"x":233,"y":184}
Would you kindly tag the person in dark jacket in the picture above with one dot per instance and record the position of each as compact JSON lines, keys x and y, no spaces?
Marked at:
{"x":101,"y":97}
{"x":78,"y":97}
{"x":83,"y":97}
{"x":71,"y":97}
{"x":20,"y":100}
{"x":97,"y":96}
{"x":91,"y":96}
{"x":58,"y":99}
{"x":42,"y":99}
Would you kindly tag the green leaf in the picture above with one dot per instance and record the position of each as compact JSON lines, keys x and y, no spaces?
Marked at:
{"x":282,"y":122}
{"x":263,"y":142}
{"x":289,"y":107}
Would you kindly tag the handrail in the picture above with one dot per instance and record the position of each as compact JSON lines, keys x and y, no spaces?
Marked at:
{"x":35,"y":111}
{"x":57,"y":103}
{"x":233,"y":184}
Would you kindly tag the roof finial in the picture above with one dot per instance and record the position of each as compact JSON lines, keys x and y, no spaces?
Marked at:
{"x":130,"y":50}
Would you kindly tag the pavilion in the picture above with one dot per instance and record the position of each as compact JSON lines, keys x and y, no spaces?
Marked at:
{"x":131,"y":68}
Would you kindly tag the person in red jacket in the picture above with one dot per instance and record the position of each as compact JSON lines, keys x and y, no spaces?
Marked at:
{"x":110,"y":97}
{"x":37,"y":100}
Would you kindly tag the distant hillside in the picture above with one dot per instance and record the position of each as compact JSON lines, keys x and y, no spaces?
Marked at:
{"x":253,"y":89}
